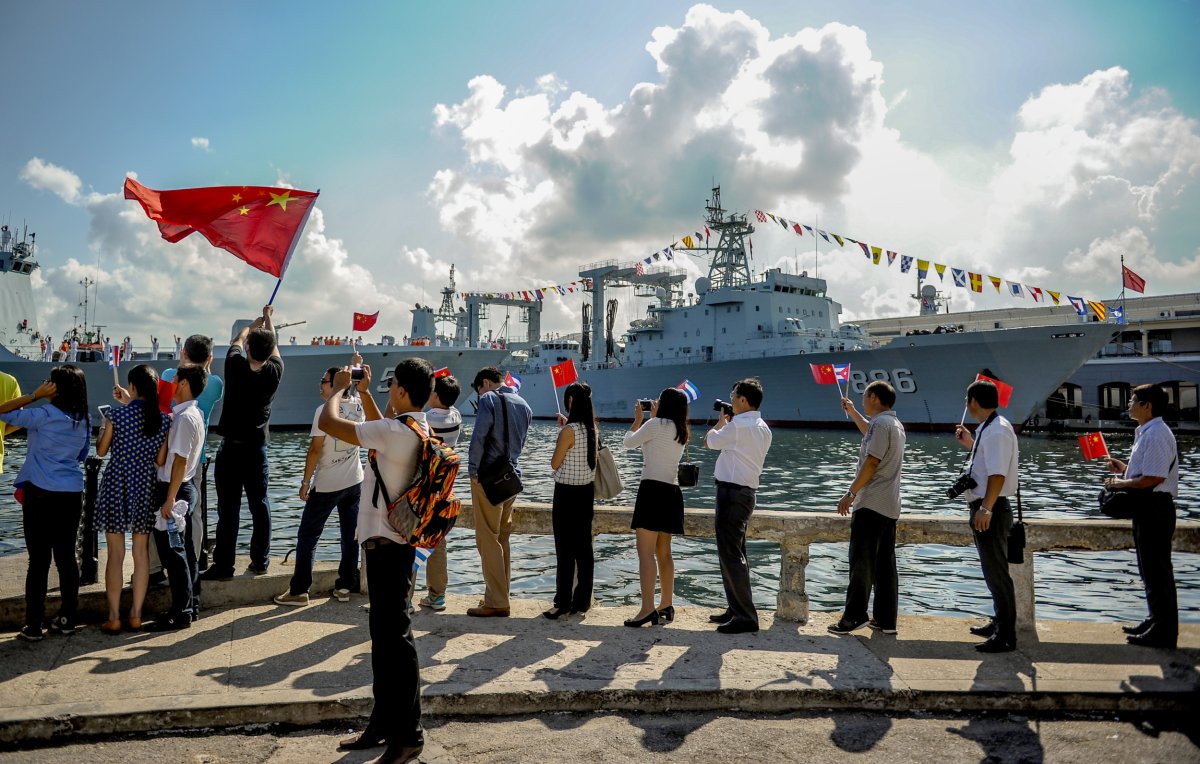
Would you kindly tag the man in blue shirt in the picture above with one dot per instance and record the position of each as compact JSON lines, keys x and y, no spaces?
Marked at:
{"x":493,"y":522}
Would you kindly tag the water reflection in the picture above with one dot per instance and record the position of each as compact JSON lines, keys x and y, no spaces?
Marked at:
{"x":807,"y":470}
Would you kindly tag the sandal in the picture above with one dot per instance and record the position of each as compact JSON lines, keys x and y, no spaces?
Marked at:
{"x":111,"y":627}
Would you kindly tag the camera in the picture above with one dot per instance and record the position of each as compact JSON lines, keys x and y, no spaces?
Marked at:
{"x":964,"y":482}
{"x":356,"y":373}
{"x":646,"y":403}
{"x":722,"y":407}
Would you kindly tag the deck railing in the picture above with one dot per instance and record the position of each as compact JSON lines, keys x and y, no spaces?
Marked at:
{"x":795,"y":532}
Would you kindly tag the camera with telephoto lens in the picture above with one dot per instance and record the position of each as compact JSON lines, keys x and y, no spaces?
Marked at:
{"x":646,"y":404}
{"x":722,"y":407}
{"x":965,"y":482}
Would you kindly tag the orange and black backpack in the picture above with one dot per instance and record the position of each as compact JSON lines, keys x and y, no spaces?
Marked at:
{"x":427,"y":510}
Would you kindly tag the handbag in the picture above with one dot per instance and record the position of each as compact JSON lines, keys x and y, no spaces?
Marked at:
{"x":688,"y":474}
{"x":1016,"y":535}
{"x":608,"y":481}
{"x":499,"y":479}
{"x":1121,"y":505}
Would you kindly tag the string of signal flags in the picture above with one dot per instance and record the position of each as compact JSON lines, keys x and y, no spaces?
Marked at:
{"x":961,"y":277}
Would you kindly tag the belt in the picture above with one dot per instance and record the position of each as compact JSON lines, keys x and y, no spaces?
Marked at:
{"x":727,"y":484}
{"x":377,"y":542}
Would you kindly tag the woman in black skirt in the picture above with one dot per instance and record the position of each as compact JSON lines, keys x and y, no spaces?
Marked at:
{"x":574,"y":465}
{"x":658,"y":512}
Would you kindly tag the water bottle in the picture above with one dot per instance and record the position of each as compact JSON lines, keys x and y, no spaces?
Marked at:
{"x":174,"y":536}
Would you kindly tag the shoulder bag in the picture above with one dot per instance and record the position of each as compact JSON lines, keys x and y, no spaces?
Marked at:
{"x":1124,"y":504}
{"x":499,"y":479}
{"x":1016,"y":535}
{"x":608,"y":480}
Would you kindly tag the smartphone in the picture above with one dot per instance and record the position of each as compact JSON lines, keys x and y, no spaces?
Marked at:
{"x":104,"y":410}
{"x":646,"y":404}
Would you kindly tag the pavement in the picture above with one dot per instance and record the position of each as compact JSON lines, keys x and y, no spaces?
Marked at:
{"x":260,"y":663}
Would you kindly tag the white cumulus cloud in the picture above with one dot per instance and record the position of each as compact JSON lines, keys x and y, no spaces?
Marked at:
{"x":48,"y":176}
{"x":201,"y":143}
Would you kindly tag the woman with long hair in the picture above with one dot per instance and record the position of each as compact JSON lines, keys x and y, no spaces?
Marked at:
{"x":658,"y":510}
{"x":574,"y":465}
{"x":50,"y":490}
{"x":136,"y":433}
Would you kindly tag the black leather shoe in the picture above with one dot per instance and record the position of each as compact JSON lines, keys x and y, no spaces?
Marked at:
{"x":666,"y":614}
{"x":555,"y":613}
{"x":720,"y":617}
{"x":368,"y":739}
{"x":996,"y":645}
{"x":1153,"y":638}
{"x":257,"y":570}
{"x":212,"y":574}
{"x":173,"y":622}
{"x":401,"y":754}
{"x":738,"y":627}
{"x":985,"y":631}
{"x":1141,"y":628}
{"x":651,"y":618}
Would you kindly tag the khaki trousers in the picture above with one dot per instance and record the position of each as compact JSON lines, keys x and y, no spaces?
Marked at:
{"x":436,"y":575}
{"x":493,"y":525}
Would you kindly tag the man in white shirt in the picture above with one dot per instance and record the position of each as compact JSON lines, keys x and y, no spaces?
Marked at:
{"x":445,"y":421}
{"x":154,"y":348}
{"x":743,"y":440}
{"x":993,"y":472}
{"x":184,"y":444}
{"x":333,"y":476}
{"x":396,"y":715}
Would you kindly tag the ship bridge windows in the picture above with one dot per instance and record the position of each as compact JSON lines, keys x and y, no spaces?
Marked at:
{"x":1066,"y":402}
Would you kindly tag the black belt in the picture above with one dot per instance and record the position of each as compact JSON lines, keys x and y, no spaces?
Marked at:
{"x":727,"y":484}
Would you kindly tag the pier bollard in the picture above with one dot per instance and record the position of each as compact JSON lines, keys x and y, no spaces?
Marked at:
{"x":792,"y":602}
{"x":1022,"y":578}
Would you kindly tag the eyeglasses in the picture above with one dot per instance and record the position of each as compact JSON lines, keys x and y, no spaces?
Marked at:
{"x":326,"y":381}
{"x":390,"y":381}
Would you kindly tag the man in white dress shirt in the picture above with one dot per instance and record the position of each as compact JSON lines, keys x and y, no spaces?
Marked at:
{"x":743,"y":440}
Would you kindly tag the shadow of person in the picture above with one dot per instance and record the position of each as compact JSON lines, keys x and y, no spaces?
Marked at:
{"x":859,"y":732}
{"x":663,"y":733}
{"x":1003,"y":739}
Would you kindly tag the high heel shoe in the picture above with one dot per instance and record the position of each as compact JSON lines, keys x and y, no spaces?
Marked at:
{"x":636,"y":622}
{"x":667,"y":614}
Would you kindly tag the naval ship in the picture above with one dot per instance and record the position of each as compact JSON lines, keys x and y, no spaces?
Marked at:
{"x":21,"y":351}
{"x":773,"y":327}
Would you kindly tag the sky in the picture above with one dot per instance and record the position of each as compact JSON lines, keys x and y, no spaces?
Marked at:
{"x":1034,"y":141}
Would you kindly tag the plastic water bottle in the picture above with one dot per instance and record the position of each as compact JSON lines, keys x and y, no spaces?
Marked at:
{"x":174,"y":536}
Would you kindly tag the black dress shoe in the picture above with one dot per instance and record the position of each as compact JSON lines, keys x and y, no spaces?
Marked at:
{"x":555,"y":613}
{"x":1153,"y":637}
{"x":996,"y":645}
{"x":1141,"y":628}
{"x":401,"y":754}
{"x":257,"y":570}
{"x":212,"y":574}
{"x":987,"y":630}
{"x":368,"y":739}
{"x":738,"y":627}
{"x":720,"y":617}
{"x":651,"y":618}
{"x":173,"y":622}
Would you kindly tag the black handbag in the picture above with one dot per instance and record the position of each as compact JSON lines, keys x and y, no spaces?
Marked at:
{"x":688,"y":474}
{"x":1016,"y":535}
{"x":1121,"y":505}
{"x":499,"y":479}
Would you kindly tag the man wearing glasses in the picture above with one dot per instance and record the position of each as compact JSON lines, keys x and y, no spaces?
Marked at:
{"x":1153,"y":471}
{"x":743,"y":440}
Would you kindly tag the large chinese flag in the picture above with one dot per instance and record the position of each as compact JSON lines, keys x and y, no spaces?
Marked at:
{"x":1003,"y":390}
{"x":823,"y":373}
{"x":1093,"y":445}
{"x":363,"y":321}
{"x":564,"y":373}
{"x":1132,"y":281}
{"x":258,"y":224}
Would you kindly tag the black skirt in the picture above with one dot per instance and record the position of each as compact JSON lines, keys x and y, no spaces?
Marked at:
{"x":659,"y":507}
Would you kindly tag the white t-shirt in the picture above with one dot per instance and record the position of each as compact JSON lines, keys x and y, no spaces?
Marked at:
{"x":340,"y":465}
{"x":995,"y":454}
{"x":396,"y":449}
{"x":660,"y":450}
{"x":186,"y":438}
{"x":446,"y":424}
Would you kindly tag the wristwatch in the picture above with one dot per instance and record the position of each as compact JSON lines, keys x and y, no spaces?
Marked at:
{"x":850,"y":493}
{"x":984,"y":511}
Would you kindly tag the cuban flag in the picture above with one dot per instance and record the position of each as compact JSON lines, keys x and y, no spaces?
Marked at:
{"x":419,"y":558}
{"x":512,"y":380}
{"x":1077,"y":303}
{"x":842,"y":372}
{"x":114,"y":360}
{"x":689,"y":390}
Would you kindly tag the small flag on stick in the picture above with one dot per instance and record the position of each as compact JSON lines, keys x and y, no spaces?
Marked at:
{"x":513,"y":381}
{"x":564,"y":373}
{"x":166,"y":395}
{"x":442,"y":372}
{"x":1005,"y":390}
{"x":690,"y":391}
{"x":1093,"y":445}
{"x":113,"y":362}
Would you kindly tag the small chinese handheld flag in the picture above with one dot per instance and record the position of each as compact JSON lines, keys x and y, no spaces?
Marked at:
{"x":1132,"y":281}
{"x":363,"y":322}
{"x":823,"y":373}
{"x":1005,"y":390}
{"x":1093,"y":445}
{"x":258,"y":224}
{"x":442,"y":372}
{"x":166,"y":395}
{"x":564,"y":373}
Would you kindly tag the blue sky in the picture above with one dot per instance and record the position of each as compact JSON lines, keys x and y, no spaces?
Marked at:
{"x":343,"y":100}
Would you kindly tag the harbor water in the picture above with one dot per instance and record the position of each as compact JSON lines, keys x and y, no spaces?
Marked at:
{"x":806,"y":470}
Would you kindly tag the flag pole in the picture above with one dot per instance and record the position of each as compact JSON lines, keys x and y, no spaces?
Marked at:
{"x":557,"y":407}
{"x":275,"y":291}
{"x":292,"y":249}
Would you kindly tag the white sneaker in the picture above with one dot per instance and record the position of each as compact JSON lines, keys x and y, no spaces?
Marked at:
{"x":433,"y":603}
{"x":292,"y":600}
{"x":341,"y":595}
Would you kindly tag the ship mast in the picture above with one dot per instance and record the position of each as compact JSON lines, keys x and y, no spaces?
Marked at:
{"x":728,"y":267}
{"x":446,"y":312}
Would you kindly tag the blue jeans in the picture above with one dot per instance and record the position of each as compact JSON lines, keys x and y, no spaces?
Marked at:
{"x":316,"y":511}
{"x":241,"y":467}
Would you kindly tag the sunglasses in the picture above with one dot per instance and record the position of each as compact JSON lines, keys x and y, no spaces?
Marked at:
{"x":391,"y":381}
{"x":326,"y":381}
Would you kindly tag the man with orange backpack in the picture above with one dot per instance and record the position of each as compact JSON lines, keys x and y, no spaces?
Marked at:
{"x":400,"y":452}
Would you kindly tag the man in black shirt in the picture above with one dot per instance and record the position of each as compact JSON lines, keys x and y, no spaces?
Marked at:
{"x":251,"y":379}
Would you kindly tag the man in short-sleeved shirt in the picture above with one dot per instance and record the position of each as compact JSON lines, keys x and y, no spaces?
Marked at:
{"x":9,"y":389}
{"x":874,"y":497}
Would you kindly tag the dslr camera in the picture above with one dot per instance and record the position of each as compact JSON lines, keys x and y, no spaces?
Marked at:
{"x":722,"y":407}
{"x":646,"y":403}
{"x":964,"y":482}
{"x":356,"y":373}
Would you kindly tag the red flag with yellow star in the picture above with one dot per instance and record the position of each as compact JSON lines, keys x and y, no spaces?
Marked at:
{"x":1093,"y":445}
{"x":258,"y":224}
{"x":363,"y":321}
{"x":823,"y":373}
{"x":564,"y":373}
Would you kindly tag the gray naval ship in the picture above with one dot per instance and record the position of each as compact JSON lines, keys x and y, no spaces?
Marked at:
{"x":773,"y":328}
{"x":23,"y":353}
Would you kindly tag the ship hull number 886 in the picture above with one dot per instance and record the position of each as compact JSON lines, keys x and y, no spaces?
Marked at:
{"x":901,"y":379}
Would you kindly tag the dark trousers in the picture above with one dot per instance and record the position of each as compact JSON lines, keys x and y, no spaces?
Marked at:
{"x":573,"y":508}
{"x":183,"y":570}
{"x":735,"y":504}
{"x":1153,"y":527}
{"x":312,"y":521}
{"x":241,"y":467}
{"x":51,"y":522}
{"x":872,"y":565}
{"x":992,"y":546}
{"x":397,"y":674}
